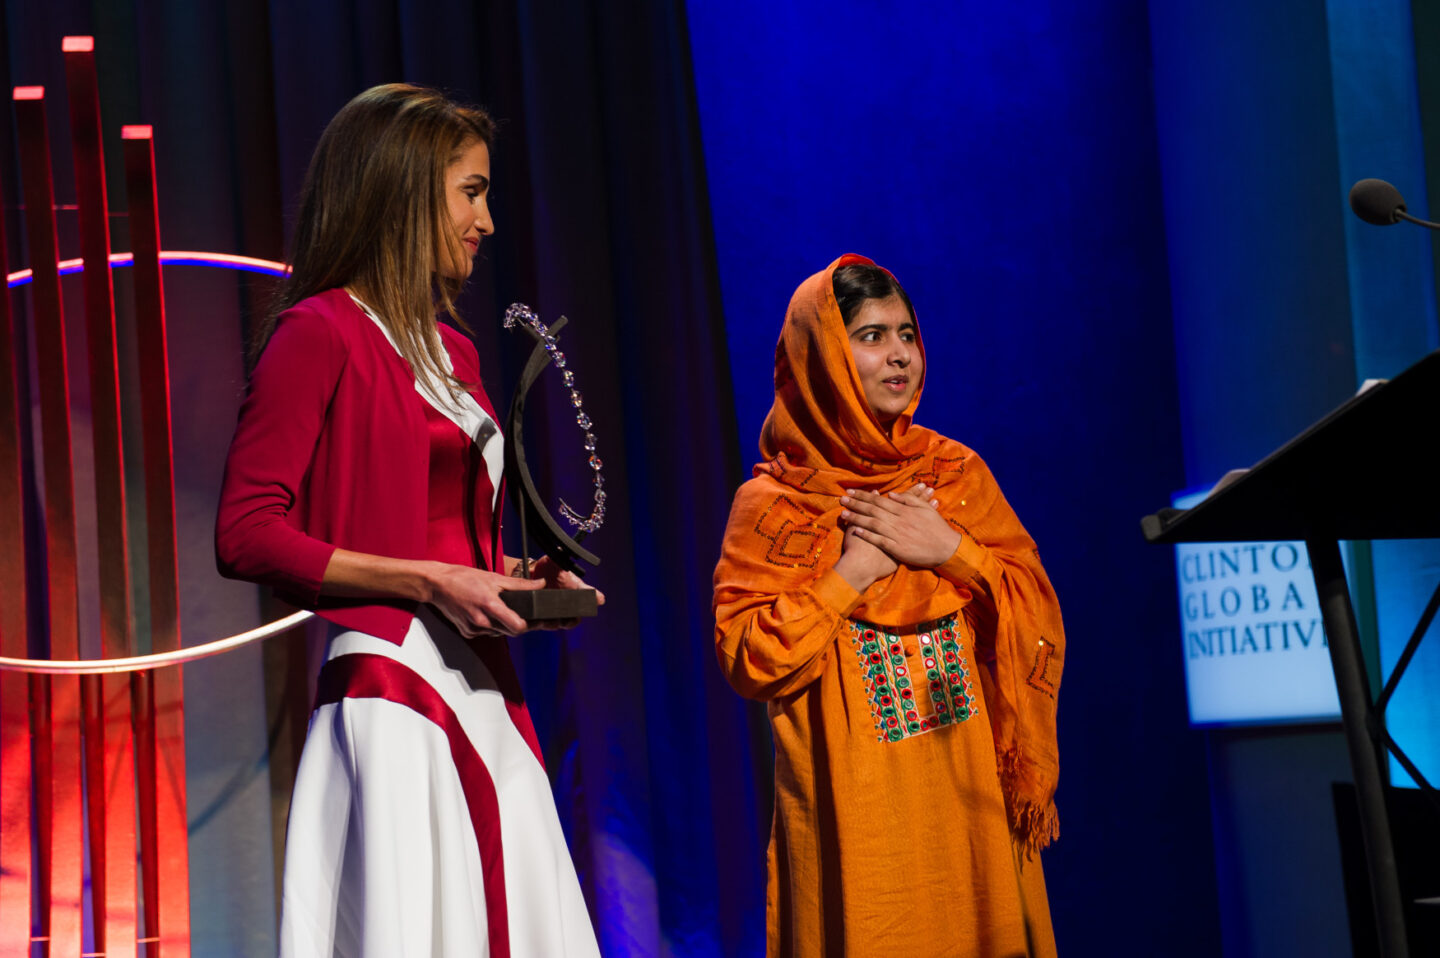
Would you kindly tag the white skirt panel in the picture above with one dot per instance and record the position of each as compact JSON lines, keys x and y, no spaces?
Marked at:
{"x":422,"y":824}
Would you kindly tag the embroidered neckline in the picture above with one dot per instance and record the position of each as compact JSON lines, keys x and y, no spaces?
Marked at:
{"x":900,"y":705}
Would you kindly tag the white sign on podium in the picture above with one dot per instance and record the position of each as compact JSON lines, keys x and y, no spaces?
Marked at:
{"x":1253,"y":638}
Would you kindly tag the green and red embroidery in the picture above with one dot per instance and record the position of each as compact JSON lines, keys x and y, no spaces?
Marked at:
{"x":901,"y":703}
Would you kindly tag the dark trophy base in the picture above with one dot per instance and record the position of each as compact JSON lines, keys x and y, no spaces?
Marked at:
{"x":540,"y":605}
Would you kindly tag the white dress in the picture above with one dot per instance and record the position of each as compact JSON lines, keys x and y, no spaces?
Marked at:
{"x":422,"y":823}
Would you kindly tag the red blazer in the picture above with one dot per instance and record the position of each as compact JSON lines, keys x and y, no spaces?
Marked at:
{"x":332,"y":451}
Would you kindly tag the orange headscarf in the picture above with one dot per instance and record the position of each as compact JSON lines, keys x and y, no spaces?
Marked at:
{"x":820,"y":439}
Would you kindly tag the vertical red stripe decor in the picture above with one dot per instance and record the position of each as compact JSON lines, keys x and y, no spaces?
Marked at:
{"x":57,"y":716}
{"x":80,"y":750}
{"x":14,"y":635}
{"x":109,"y":751}
{"x":159,"y":695}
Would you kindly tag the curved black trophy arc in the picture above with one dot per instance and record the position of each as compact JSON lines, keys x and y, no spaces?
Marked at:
{"x":564,"y":550}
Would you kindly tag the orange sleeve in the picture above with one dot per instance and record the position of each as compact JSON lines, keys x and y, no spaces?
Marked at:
{"x":776,"y":617}
{"x":974,"y":567}
{"x":774,"y":645}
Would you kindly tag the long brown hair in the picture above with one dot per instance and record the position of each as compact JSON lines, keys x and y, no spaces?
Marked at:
{"x":373,"y":216}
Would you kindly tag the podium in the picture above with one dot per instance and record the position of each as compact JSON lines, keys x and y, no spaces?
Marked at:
{"x":1368,"y":470}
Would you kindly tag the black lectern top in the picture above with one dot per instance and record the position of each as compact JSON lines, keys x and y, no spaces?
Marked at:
{"x":1370,"y":469}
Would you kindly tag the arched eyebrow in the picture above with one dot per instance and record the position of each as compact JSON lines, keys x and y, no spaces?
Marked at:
{"x":477,"y":179}
{"x":908,"y":324}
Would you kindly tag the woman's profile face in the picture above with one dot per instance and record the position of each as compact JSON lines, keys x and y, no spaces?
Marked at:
{"x":887,"y":356}
{"x":467,"y":190}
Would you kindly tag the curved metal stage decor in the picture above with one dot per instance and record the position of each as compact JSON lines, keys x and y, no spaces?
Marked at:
{"x":156,"y":660}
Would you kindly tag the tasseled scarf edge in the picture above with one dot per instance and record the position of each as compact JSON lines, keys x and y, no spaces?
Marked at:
{"x":1034,"y":821}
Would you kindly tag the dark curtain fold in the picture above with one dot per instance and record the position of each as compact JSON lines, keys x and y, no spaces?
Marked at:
{"x":602,"y":215}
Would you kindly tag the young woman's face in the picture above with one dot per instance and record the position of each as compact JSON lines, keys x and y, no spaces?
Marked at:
{"x":887,"y":356}
{"x":467,"y":190}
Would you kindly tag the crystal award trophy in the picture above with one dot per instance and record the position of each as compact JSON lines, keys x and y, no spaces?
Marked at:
{"x":535,"y":520}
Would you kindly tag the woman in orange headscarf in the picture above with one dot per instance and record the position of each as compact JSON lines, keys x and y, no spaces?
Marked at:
{"x":877,"y":591}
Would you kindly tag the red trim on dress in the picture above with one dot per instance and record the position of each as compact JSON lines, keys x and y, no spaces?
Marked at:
{"x":364,"y":675}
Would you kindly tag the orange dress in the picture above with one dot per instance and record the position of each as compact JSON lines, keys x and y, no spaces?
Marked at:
{"x":914,"y":724}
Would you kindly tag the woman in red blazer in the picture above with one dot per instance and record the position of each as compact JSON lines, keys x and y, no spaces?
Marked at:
{"x":363,"y":482}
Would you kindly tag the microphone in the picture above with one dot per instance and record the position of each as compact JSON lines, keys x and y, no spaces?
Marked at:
{"x":1380,"y":203}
